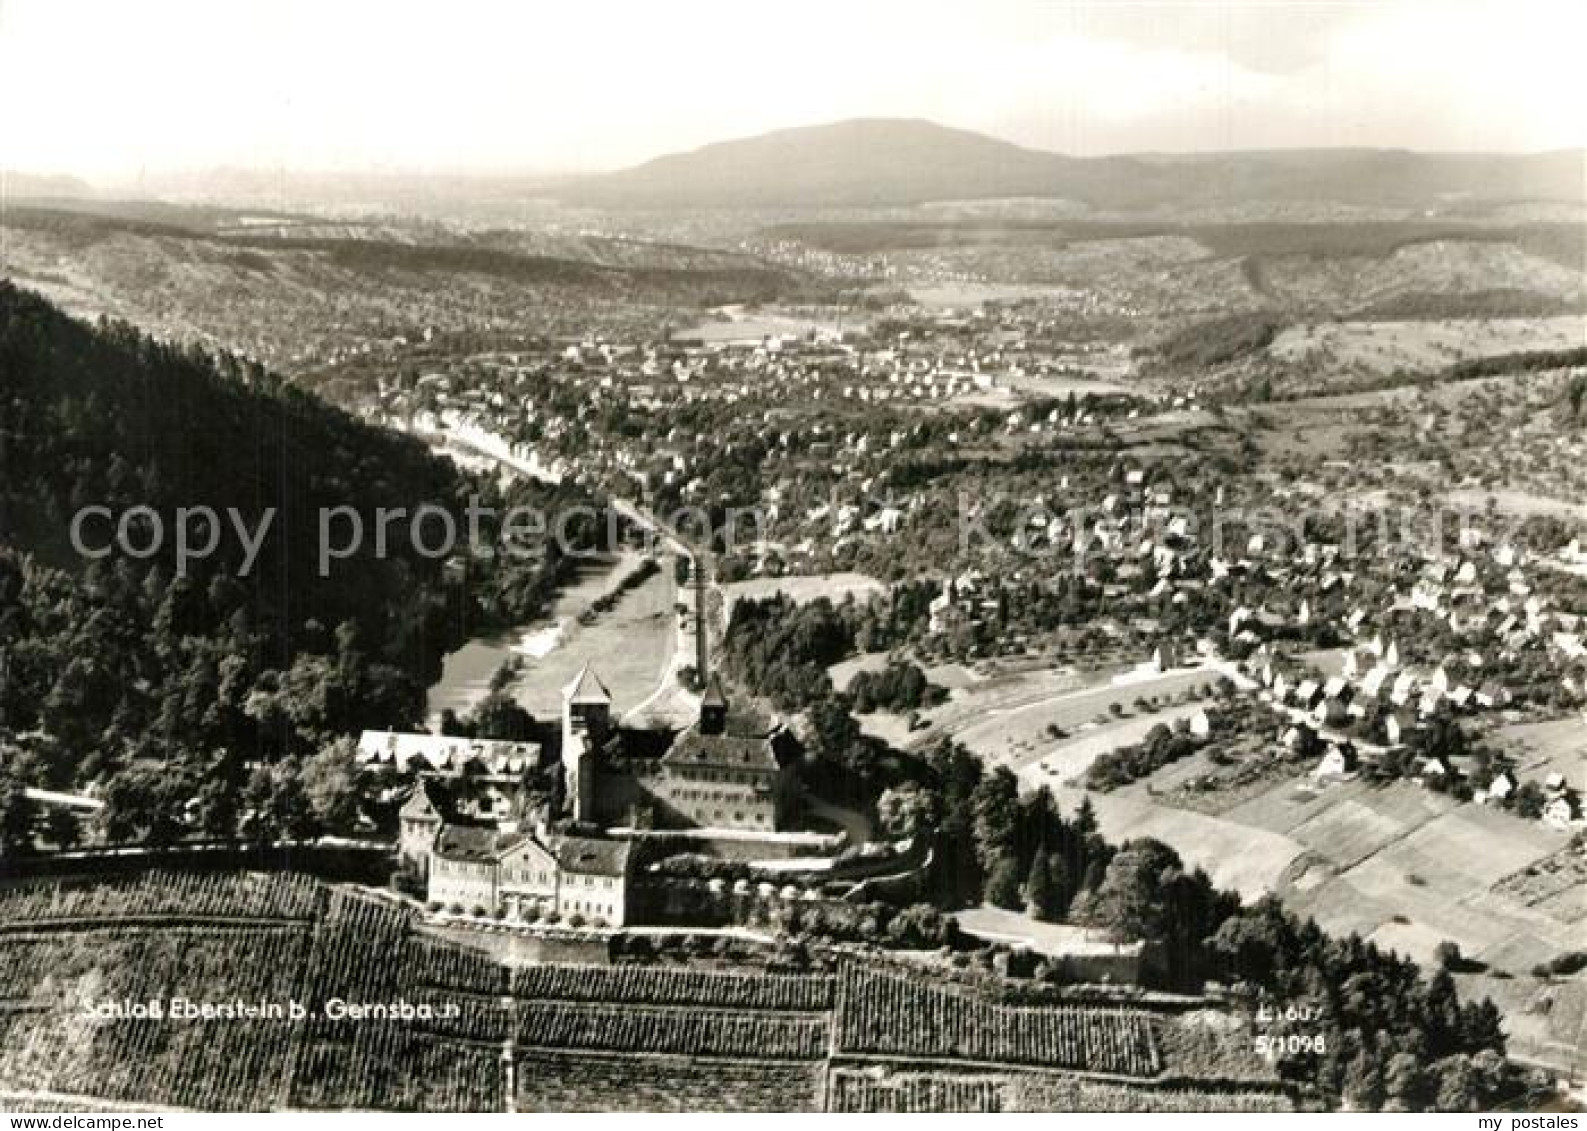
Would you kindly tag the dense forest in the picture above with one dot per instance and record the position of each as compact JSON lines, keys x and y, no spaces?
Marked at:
{"x":146,"y":667}
{"x":780,"y":650}
{"x":1219,"y":341}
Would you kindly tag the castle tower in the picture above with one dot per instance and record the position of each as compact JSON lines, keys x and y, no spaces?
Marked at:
{"x":586,"y":720}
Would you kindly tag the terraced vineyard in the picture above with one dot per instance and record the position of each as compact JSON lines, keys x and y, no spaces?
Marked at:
{"x":438,"y":964}
{"x":921,"y":1092}
{"x":652,"y":986}
{"x":190,"y":1064}
{"x":888,"y":1015}
{"x":859,"y":1090}
{"x":194,"y":895}
{"x":478,"y":1038}
{"x":560,"y":1081}
{"x":1050,"y":1093}
{"x":691,"y":1032}
{"x":389,"y":1065}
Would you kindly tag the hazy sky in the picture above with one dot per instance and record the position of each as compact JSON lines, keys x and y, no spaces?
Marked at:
{"x":107,"y":89}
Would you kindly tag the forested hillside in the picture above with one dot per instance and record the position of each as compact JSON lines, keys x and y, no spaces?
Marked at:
{"x":118,"y":665}
{"x":301,"y":295}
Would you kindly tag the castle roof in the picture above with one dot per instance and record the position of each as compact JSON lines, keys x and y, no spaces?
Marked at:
{"x":427,"y":802}
{"x":636,"y":743}
{"x":721,"y":751}
{"x":586,"y":688}
{"x":714,"y":695}
{"x":474,"y":843}
{"x":588,"y":856}
{"x":410,"y":751}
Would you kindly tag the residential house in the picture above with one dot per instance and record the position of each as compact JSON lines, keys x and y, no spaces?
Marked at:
{"x":463,"y":865}
{"x":419,"y":819}
{"x":447,"y":754}
{"x":1502,"y":786}
{"x":594,"y":878}
{"x":1397,"y":726}
{"x":1340,"y":761}
{"x":517,"y":875}
{"x":1562,"y":810}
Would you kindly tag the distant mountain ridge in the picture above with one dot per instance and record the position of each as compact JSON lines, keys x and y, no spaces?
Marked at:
{"x":883,"y":161}
{"x":15,"y":185}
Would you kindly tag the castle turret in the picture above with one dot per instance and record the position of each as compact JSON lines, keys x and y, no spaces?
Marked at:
{"x":713,"y":708}
{"x":586,"y":720}
{"x":587,"y":705}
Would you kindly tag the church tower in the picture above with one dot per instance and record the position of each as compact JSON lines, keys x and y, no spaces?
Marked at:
{"x":586,"y":721}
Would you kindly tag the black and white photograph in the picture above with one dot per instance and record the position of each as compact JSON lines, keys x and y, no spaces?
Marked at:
{"x":887,"y":556}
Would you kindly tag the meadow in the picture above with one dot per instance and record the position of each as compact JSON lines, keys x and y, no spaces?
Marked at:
{"x":1427,"y":346}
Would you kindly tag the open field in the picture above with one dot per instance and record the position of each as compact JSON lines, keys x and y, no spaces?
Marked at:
{"x":1523,"y":504}
{"x":1425,"y":346}
{"x":1057,"y":763}
{"x":1557,"y":746}
{"x":630,"y":646}
{"x":1546,"y":1022}
{"x":1013,"y":732}
{"x":886,"y":726}
{"x":1345,"y":822}
{"x":951,"y":296}
{"x":1044,"y":938}
{"x":952,"y":676}
{"x":1556,"y":884}
{"x":1438,"y":877}
{"x":1401,"y":865}
{"x":843,"y":673}
{"x":973,"y":693}
{"x":1249,"y":861}
{"x":734,"y":325}
{"x":1409,"y":266}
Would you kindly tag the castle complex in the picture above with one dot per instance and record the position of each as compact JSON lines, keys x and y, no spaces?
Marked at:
{"x":731,"y":770}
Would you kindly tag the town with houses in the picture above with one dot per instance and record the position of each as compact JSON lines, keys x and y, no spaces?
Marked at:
{"x":1358,"y":707}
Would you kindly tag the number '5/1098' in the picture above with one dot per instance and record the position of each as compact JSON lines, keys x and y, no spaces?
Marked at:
{"x":1290,"y":1044}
